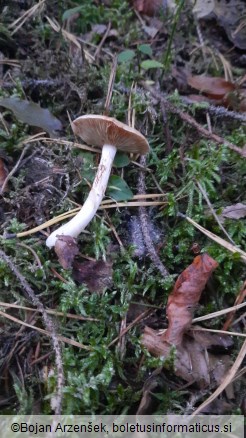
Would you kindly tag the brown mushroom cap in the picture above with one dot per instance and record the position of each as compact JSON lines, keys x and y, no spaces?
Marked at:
{"x":101,"y":130}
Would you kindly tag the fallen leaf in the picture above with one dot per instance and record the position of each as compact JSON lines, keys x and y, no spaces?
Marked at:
{"x":216,"y":91}
{"x":218,"y":407}
{"x":32,"y":114}
{"x":97,"y":275}
{"x":236,"y":211}
{"x":214,"y":341}
{"x":150,"y":386}
{"x":66,"y":248}
{"x":118,"y":189}
{"x":186,"y":295}
{"x":192,"y":362}
{"x":215,"y":88}
{"x":189,"y":361}
{"x":148,"y":7}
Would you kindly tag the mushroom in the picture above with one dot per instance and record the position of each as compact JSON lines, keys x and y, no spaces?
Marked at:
{"x":109,"y":134}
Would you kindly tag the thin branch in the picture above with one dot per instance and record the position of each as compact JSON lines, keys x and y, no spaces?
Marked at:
{"x":145,"y":224}
{"x":48,"y":322}
{"x":192,"y":122}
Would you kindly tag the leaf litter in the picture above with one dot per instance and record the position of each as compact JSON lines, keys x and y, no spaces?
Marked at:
{"x":192,"y":360}
{"x":192,"y":342}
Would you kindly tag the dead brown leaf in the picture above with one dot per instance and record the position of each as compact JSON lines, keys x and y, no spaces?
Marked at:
{"x":150,"y":386}
{"x":66,"y":249}
{"x":97,"y":275}
{"x":215,"y":88}
{"x":212,"y":340}
{"x":148,"y":7}
{"x":192,"y":361}
{"x":186,"y":295}
{"x":215,"y":91}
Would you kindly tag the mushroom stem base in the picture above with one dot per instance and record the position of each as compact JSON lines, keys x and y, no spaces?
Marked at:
{"x":78,"y":223}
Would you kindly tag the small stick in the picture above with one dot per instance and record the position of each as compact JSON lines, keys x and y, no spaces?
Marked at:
{"x":192,"y":122}
{"x":145,"y":225}
{"x":49,"y":326}
{"x":143,"y":214}
{"x":99,"y":47}
{"x":50,"y":311}
{"x":14,"y":169}
{"x":232,"y":248}
{"x":240,"y":298}
{"x":132,"y":324}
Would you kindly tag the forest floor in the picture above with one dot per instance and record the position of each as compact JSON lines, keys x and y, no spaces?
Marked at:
{"x":98,"y":336}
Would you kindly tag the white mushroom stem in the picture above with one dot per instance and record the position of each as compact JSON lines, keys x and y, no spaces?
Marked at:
{"x":78,"y":223}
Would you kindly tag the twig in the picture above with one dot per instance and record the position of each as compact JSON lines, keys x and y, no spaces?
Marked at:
{"x":28,"y":140}
{"x":145,"y":224}
{"x":105,"y":36}
{"x":240,"y":298}
{"x":217,"y":239}
{"x":70,"y":213}
{"x":223,"y":332}
{"x":49,"y":326}
{"x":200,"y":37}
{"x":132,"y":324}
{"x":47,"y":83}
{"x":23,"y":245}
{"x":17,"y":24}
{"x":51,"y":312}
{"x":14,"y":169}
{"x":192,"y":122}
{"x":219,"y":313}
{"x":45,"y":332}
{"x":204,"y":132}
{"x":218,"y":111}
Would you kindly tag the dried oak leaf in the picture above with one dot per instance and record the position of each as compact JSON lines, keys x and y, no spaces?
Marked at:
{"x":66,"y":248}
{"x":186,"y":295}
{"x":97,"y":275}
